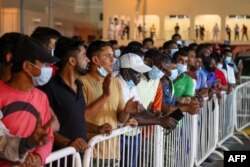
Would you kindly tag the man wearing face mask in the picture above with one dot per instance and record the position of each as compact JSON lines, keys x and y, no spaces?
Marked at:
{"x":117,"y":54}
{"x":232,"y":72}
{"x":150,"y":81}
{"x":48,"y":37}
{"x":169,"y":48}
{"x":20,"y":102}
{"x":170,"y":102}
{"x":103,"y":93}
{"x":183,"y":85}
{"x":148,"y":43}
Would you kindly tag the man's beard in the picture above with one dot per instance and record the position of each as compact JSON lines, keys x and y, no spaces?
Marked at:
{"x":80,"y":70}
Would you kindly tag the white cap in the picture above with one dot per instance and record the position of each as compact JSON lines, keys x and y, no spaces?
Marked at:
{"x":131,"y":60}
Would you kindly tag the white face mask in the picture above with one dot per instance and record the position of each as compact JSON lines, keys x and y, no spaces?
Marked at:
{"x":181,"y":68}
{"x":174,"y":74}
{"x":219,"y":66}
{"x":155,"y":73}
{"x":117,"y":53}
{"x":44,"y":77}
{"x":172,"y":52}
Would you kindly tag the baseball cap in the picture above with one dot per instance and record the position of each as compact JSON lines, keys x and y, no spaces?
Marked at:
{"x":135,"y":62}
{"x":28,"y":48}
{"x":154,"y":54}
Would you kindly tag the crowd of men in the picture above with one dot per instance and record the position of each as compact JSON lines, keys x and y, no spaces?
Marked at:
{"x":56,"y":92}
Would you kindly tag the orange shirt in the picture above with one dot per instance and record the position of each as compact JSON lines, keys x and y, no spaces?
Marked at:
{"x":157,"y":103}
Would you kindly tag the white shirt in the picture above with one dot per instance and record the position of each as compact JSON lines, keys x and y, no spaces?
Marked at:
{"x":128,"y":93}
{"x":230,"y":75}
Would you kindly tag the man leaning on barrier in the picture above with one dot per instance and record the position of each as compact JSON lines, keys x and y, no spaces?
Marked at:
{"x":66,"y":97}
{"x":104,"y":99}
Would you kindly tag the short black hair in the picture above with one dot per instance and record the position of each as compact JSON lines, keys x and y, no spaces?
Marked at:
{"x":44,"y":34}
{"x":181,"y":52}
{"x":65,"y":47}
{"x":167,"y":44}
{"x":133,"y":47}
{"x":135,"y":44}
{"x":113,"y":42}
{"x":96,"y":46}
{"x":175,"y":35}
{"x":7,"y":43}
{"x":147,"y":40}
{"x":193,"y":46}
{"x":226,"y":51}
{"x":154,"y":54}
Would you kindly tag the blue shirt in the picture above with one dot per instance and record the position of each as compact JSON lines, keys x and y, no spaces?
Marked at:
{"x":201,"y":79}
{"x":168,"y":97}
{"x":210,"y":77}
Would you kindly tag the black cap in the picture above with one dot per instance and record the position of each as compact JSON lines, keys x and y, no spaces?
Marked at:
{"x":154,"y":54}
{"x":30,"y":49}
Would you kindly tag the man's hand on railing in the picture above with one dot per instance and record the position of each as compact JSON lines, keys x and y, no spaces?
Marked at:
{"x":192,"y":109}
{"x":168,"y":123}
{"x":105,"y":129}
{"x":131,"y":122}
{"x":184,"y":100}
{"x":79,"y":144}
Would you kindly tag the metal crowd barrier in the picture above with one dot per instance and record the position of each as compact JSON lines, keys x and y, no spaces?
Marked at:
{"x":207,"y":131}
{"x":194,"y":139}
{"x":143,"y":146}
{"x":242,"y":107}
{"x":244,"y":79}
{"x":227,"y":117}
{"x":65,"y":157}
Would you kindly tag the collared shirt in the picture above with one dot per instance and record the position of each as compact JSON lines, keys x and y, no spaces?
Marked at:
{"x":69,"y":107}
{"x":211,"y":78}
{"x":184,"y":86}
{"x":230,"y":72}
{"x":168,"y":93}
{"x":201,"y":79}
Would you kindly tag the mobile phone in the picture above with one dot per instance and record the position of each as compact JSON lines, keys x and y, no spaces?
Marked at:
{"x":177,"y":115}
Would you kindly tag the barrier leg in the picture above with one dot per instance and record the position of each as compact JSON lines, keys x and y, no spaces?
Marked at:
{"x":237,"y":139}
{"x":223,"y":148}
{"x":219,"y":154}
{"x":244,"y":134}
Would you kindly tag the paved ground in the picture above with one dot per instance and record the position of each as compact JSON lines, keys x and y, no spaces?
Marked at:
{"x":231,"y":144}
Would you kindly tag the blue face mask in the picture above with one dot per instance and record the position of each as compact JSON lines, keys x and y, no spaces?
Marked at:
{"x":172,"y":52}
{"x":102,"y":71}
{"x":174,"y":74}
{"x":155,"y":73}
{"x":228,"y":59}
{"x":181,"y":68}
{"x":131,"y":84}
{"x":117,"y":53}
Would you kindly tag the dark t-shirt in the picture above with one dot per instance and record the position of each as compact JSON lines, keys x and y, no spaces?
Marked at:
{"x":68,"y":106}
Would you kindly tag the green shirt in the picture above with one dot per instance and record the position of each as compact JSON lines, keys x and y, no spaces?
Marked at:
{"x":184,"y":86}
